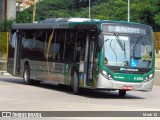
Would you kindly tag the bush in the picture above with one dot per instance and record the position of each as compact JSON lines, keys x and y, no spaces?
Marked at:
{"x":5,"y":25}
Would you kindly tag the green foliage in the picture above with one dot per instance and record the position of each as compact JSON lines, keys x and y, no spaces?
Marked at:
{"x":6,"y":25}
{"x":24,"y":16}
{"x":157,"y":12}
{"x":157,"y":19}
{"x":143,"y":11}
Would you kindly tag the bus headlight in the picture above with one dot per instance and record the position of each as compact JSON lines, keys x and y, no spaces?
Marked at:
{"x":149,"y":78}
{"x":106,"y":75}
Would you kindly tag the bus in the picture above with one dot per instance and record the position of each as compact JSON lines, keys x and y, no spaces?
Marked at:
{"x":84,"y":53}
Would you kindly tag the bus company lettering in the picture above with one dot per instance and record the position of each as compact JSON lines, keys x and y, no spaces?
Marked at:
{"x":127,"y":69}
{"x":23,"y":114}
{"x":119,"y":77}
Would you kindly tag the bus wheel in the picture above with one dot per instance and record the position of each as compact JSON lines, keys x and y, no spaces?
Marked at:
{"x":26,"y":76}
{"x":122,"y":92}
{"x":75,"y":84}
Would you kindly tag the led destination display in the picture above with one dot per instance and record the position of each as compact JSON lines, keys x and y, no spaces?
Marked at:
{"x":123,"y":29}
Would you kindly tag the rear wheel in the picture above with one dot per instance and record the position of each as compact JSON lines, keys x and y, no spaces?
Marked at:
{"x":122,"y":93}
{"x":75,"y":83}
{"x":26,"y":77}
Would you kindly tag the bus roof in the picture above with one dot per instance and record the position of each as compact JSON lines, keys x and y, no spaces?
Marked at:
{"x":51,"y":23}
{"x":33,"y":26}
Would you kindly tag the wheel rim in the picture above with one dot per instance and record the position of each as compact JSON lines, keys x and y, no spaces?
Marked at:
{"x":75,"y":83}
{"x":26,"y":76}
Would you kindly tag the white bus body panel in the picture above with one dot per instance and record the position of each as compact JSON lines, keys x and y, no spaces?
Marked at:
{"x":104,"y":83}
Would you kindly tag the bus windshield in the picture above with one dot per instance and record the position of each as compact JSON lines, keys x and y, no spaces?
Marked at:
{"x":128,"y":51}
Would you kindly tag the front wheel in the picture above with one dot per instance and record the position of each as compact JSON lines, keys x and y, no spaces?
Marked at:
{"x":122,"y":93}
{"x":75,"y":83}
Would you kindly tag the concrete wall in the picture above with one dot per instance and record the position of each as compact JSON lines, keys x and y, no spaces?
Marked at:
{"x":11,"y":12}
{"x":1,"y":9}
{"x":11,"y":9}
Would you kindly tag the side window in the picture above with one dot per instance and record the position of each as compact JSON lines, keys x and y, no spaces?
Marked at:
{"x":39,"y":45}
{"x":12,"y":40}
{"x":28,"y":44}
{"x":59,"y":45}
{"x":80,"y":45}
{"x":33,"y":43}
{"x":69,"y":45}
{"x":28,"y":41}
{"x":49,"y":45}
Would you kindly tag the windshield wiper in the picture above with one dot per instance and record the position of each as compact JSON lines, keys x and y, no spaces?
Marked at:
{"x":110,"y":44}
{"x":113,"y":51}
{"x":121,"y":44}
{"x":106,"y":40}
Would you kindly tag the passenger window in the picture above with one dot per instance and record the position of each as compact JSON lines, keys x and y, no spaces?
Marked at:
{"x":39,"y":44}
{"x":13,"y":39}
{"x":59,"y":45}
{"x":80,"y":46}
{"x":69,"y":45}
{"x":49,"y":49}
{"x":28,"y":44}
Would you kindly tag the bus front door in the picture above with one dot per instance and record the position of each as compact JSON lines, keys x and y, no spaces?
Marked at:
{"x":89,"y":59}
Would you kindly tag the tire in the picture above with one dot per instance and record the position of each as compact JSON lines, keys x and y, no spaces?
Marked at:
{"x":75,"y":79}
{"x":122,"y":93}
{"x":26,"y":76}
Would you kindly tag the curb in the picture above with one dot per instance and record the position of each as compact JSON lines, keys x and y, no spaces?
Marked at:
{"x":4,"y":73}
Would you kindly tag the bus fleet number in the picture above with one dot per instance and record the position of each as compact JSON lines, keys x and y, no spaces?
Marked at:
{"x":138,"y":78}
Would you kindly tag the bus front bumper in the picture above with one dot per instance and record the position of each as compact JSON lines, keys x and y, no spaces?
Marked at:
{"x":104,"y":83}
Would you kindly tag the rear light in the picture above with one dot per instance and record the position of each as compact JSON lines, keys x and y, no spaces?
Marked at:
{"x":127,"y":87}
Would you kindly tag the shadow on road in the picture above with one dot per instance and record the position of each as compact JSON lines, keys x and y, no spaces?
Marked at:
{"x":98,"y":94}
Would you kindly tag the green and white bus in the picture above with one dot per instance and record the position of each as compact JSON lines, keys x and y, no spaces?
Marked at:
{"x":84,"y":53}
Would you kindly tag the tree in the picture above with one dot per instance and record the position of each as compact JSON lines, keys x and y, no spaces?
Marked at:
{"x":142,"y":11}
{"x":6,"y":25}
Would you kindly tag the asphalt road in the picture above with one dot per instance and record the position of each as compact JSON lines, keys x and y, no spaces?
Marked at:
{"x":15,"y":96}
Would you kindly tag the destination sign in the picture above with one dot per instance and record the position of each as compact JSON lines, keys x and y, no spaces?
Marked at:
{"x":123,"y":29}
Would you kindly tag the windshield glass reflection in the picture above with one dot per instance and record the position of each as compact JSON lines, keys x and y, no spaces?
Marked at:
{"x":127,"y":51}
